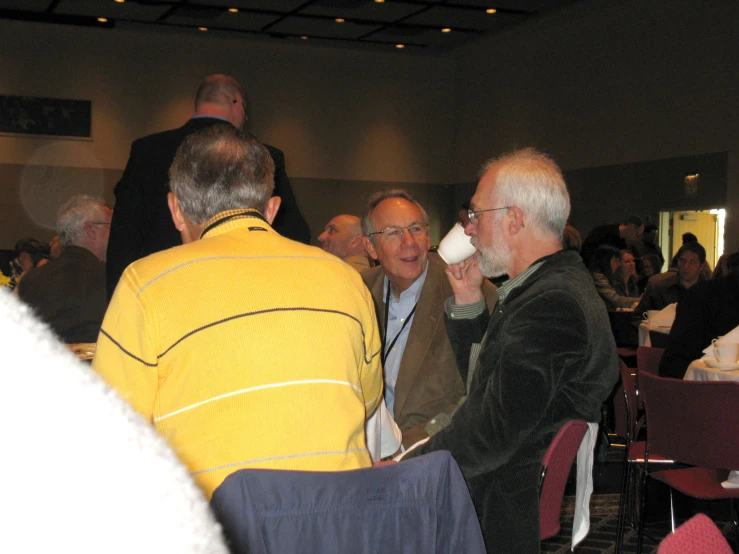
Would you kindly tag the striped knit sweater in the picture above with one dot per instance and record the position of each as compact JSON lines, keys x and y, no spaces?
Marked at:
{"x":246,"y":350}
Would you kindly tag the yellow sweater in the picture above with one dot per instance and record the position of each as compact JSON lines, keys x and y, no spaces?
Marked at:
{"x":246,"y":349}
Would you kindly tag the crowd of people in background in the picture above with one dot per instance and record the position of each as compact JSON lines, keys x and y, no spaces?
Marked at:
{"x":376,"y":323}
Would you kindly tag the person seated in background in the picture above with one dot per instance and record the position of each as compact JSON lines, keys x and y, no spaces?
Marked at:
{"x":722,"y":266}
{"x":650,"y":266}
{"x":571,"y":238}
{"x":342,"y":237}
{"x":69,"y":293}
{"x":29,"y":252}
{"x":614,"y":235}
{"x":422,"y":382}
{"x":635,"y":236}
{"x":625,"y":276}
{"x":669,"y":287}
{"x":708,"y":310}
{"x":244,"y":348}
{"x":603,"y":266}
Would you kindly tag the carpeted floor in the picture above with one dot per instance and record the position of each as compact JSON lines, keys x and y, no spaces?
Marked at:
{"x":604,"y":519}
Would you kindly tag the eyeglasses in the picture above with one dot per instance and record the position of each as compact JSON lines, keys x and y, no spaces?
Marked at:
{"x":474,"y":215}
{"x":393,"y":233}
{"x":686,"y":261}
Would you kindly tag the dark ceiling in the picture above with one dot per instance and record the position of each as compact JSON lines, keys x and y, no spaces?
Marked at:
{"x":418,"y":25}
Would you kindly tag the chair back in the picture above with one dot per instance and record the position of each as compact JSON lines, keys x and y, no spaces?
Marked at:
{"x":692,"y":422}
{"x":555,"y":467}
{"x":648,"y":359}
{"x":696,"y":536}
{"x":624,"y":404}
{"x":419,"y":505}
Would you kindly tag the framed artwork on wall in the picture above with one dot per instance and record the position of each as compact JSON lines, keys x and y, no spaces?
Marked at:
{"x":29,"y":115}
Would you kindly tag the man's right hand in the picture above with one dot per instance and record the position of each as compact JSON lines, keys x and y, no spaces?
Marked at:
{"x":466,"y":280}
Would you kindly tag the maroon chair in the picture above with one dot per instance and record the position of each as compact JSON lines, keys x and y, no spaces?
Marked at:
{"x":633,"y":451}
{"x":692,"y":422}
{"x":647,"y":361}
{"x":555,"y":468}
{"x":696,"y":536}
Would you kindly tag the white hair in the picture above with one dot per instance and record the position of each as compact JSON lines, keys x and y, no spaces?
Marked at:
{"x":74,"y":213}
{"x":533,"y":182}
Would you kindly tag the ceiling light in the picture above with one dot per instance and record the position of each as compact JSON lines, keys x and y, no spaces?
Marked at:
{"x":102,"y":20}
{"x":233,"y":10}
{"x":399,"y":46}
{"x":119,"y":1}
{"x":379,"y":1}
{"x":202,"y":28}
{"x":304,"y":37}
{"x":339,"y":20}
{"x":491,"y":10}
{"x":446,"y":30}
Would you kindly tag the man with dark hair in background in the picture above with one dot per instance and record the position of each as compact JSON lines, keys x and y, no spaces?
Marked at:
{"x":141,"y":221}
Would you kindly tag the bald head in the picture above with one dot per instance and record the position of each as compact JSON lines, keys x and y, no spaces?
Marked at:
{"x":342,"y":236}
{"x":221,"y":96}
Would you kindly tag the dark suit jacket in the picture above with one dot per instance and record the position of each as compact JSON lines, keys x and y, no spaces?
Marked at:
{"x":142,"y":223}
{"x":707,"y":310}
{"x":548,"y":357}
{"x":428,"y":380}
{"x":69,"y":294}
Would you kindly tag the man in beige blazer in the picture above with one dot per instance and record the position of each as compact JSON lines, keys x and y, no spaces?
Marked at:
{"x":422,"y":380}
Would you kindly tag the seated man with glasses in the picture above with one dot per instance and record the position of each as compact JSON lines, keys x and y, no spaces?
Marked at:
{"x":546,"y":352}
{"x":422,"y":382}
{"x":669,"y":287}
{"x":68,"y":293}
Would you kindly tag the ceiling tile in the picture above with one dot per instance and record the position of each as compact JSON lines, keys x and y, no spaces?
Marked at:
{"x":385,"y":12}
{"x":25,"y":5}
{"x":111,"y":10}
{"x":296,"y":25}
{"x":442,"y":16}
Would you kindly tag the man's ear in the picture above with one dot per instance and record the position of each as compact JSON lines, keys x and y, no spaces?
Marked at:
{"x":369,"y":247}
{"x":355,"y":241}
{"x":174,"y":208}
{"x":273,"y":206}
{"x":516,"y":219}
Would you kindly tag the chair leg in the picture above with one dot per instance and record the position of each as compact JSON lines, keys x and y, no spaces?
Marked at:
{"x":623,"y":499}
{"x":643,"y":514}
{"x":735,"y":519}
{"x":672,"y":511}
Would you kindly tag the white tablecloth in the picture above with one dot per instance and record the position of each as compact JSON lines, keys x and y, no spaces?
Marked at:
{"x":699,"y":371}
{"x":644,"y":329}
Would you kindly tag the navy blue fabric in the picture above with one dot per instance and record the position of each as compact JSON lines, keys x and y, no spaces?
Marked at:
{"x":420,"y":506}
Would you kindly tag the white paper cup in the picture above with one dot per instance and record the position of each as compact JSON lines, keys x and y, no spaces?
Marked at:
{"x":455,"y":246}
{"x":726,"y":352}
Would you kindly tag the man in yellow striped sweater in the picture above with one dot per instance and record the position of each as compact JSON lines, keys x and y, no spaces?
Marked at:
{"x":243,"y":348}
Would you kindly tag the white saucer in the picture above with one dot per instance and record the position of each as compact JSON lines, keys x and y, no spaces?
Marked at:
{"x":715,"y":364}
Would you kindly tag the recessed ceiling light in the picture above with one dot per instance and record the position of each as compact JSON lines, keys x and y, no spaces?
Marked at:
{"x":304,"y":37}
{"x":339,"y":20}
{"x":379,"y":1}
{"x":446,"y":30}
{"x":119,"y":1}
{"x":102,"y":20}
{"x":202,"y":28}
{"x":399,"y":46}
{"x":491,"y":10}
{"x":233,"y":10}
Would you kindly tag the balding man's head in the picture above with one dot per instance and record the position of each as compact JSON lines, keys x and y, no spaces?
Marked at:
{"x":221,"y":96}
{"x":342,"y":236}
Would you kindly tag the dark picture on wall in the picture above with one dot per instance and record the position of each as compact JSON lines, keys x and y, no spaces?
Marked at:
{"x":45,"y":116}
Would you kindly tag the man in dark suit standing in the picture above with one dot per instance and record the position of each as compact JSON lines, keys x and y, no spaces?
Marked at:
{"x":141,"y":222}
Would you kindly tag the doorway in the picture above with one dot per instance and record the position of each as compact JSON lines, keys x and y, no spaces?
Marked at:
{"x":706,"y":225}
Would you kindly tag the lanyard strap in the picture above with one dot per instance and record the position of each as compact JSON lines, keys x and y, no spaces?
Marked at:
{"x":250,"y":213}
{"x":386,"y":351}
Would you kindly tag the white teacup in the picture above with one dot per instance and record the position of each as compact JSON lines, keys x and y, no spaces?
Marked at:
{"x":726,"y":352}
{"x":649,"y":314}
{"x":455,"y":246}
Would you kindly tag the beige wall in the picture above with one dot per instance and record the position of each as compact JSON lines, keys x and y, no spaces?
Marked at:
{"x":608,"y":82}
{"x":600,"y":84}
